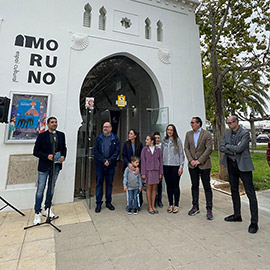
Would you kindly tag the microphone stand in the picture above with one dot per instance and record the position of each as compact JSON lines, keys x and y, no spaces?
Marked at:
{"x":10,"y":205}
{"x":51,"y":177}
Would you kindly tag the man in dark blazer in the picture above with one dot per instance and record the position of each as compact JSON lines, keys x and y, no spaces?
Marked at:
{"x":43,"y":149}
{"x":106,"y":151}
{"x":198,"y":147}
{"x":237,"y":159}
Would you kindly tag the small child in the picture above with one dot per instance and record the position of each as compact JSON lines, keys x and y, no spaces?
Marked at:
{"x":133,"y":184}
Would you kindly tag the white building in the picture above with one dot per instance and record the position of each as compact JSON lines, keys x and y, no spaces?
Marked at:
{"x":56,"y":53}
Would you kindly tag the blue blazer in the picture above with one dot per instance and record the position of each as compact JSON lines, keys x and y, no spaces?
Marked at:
{"x":43,"y":148}
{"x":99,"y":151}
{"x":127,"y":153}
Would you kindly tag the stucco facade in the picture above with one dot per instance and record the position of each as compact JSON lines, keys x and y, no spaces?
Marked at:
{"x":63,"y":50}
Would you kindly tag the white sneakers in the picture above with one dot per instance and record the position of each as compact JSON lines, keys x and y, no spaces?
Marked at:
{"x":45,"y":213}
{"x":37,"y":219}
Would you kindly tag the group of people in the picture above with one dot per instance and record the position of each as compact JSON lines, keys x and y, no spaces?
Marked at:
{"x":147,"y":165}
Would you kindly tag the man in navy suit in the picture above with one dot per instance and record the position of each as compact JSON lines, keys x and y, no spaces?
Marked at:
{"x":43,"y":149}
{"x":106,"y":151}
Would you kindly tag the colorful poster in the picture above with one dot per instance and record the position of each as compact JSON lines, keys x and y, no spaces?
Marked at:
{"x":28,"y":114}
{"x":27,"y":117}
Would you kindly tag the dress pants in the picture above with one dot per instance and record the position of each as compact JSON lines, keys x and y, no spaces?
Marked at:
{"x":101,"y":173}
{"x":159,"y":192}
{"x":247,"y":179}
{"x":195,"y":174}
{"x":172,"y":180}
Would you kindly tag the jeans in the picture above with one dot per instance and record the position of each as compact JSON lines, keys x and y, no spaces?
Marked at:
{"x":133,"y":196}
{"x":42,"y":179}
{"x":108,"y":174}
{"x":138,"y":200}
{"x":195,"y":175}
{"x":247,"y":179}
{"x":172,"y":180}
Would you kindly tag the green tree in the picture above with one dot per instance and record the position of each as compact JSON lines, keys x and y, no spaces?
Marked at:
{"x":233,"y":39}
{"x":246,"y":95}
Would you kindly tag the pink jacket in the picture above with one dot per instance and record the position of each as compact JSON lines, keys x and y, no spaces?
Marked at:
{"x":151,"y":162}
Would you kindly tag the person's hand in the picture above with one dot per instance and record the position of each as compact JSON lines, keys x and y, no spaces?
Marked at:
{"x":125,"y":188}
{"x":239,"y":143}
{"x":131,"y":167}
{"x":137,"y":170}
{"x":160,"y":177}
{"x":143,"y":176}
{"x":180,"y":171}
{"x":193,"y":163}
{"x":61,"y":159}
{"x":106,"y":163}
{"x":197,"y":162}
{"x":50,"y":157}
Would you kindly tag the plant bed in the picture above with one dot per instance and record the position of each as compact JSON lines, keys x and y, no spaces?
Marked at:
{"x":261,"y":174}
{"x":224,"y":186}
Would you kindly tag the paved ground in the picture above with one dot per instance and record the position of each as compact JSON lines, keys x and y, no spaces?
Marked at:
{"x":115,"y":240}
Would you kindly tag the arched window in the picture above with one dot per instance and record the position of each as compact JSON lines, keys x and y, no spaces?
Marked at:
{"x":87,"y":15}
{"x":102,"y":18}
{"x":159,"y":31}
{"x":147,"y":28}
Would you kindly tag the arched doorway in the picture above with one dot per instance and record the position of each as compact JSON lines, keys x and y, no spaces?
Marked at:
{"x":118,"y":75}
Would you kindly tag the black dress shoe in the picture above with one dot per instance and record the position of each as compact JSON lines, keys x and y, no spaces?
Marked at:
{"x":233,"y":218}
{"x":160,"y":204}
{"x":98,"y":209}
{"x":110,"y":206}
{"x":253,"y":228}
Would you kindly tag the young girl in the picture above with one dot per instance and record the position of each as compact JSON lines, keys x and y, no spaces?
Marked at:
{"x":151,"y":171}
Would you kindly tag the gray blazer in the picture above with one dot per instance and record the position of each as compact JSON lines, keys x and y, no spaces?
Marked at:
{"x":240,"y":152}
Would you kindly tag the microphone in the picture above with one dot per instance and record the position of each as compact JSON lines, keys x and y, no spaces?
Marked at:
{"x":54,"y":136}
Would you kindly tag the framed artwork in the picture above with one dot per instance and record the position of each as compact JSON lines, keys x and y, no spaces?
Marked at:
{"x":27,"y":116}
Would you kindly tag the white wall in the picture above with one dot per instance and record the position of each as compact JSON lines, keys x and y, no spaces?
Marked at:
{"x":179,"y":82}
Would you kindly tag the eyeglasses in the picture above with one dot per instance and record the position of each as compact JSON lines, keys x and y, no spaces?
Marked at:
{"x":229,"y":123}
{"x":106,"y":126}
{"x":193,"y":122}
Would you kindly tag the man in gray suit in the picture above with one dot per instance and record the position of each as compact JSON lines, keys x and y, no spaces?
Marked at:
{"x":198,"y":147}
{"x":237,"y":159}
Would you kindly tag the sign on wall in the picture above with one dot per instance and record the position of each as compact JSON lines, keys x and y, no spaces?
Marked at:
{"x":28,"y":114}
{"x":89,"y":103}
{"x":42,"y":61}
{"x":121,"y":101}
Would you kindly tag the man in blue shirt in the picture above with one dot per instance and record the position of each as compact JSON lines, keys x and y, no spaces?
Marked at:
{"x":106,"y":151}
{"x":198,"y":147}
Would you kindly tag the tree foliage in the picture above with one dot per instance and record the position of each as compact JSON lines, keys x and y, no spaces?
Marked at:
{"x":234,"y":40}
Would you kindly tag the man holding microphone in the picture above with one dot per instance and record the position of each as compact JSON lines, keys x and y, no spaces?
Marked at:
{"x":46,"y":142}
